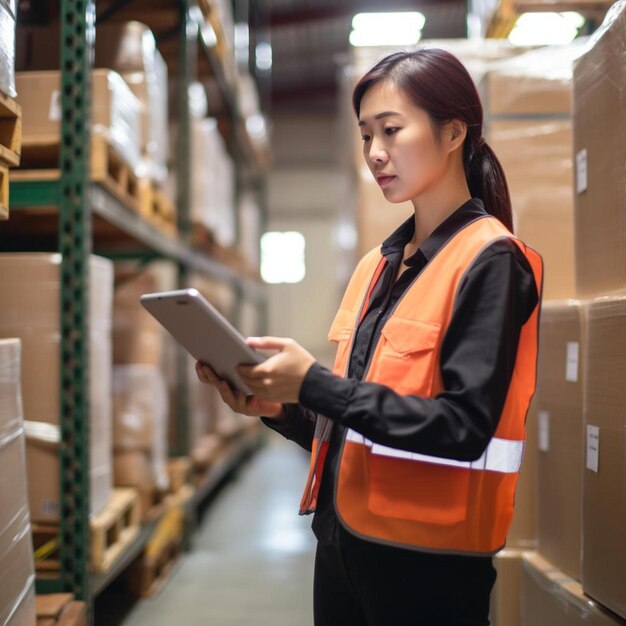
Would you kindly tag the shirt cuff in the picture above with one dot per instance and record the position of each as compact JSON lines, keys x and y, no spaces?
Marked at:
{"x":324,"y":392}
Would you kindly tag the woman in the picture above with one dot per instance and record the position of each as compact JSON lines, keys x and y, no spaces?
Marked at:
{"x":417,"y":434}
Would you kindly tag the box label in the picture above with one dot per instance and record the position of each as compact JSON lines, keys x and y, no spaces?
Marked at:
{"x":54,"y":113}
{"x":571,"y":367}
{"x":49,"y":507}
{"x":544,"y":431}
{"x":581,"y":171}
{"x":593,"y":447}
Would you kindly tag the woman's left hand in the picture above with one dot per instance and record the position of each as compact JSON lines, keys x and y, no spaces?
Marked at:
{"x":280,"y":377}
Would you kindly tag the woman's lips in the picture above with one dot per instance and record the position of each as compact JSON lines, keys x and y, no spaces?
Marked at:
{"x":384,"y":180}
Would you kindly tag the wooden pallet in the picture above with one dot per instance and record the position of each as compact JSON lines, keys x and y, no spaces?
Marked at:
{"x":10,"y":131}
{"x":60,"y":609}
{"x":156,"y":207}
{"x":4,"y":193}
{"x":114,"y":528}
{"x":179,"y":472}
{"x":40,"y":161}
{"x":150,"y":572}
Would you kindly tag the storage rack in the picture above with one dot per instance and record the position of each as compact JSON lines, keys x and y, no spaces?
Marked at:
{"x":79,"y":201}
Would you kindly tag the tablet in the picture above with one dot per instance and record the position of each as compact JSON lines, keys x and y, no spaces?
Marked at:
{"x":203,"y":331}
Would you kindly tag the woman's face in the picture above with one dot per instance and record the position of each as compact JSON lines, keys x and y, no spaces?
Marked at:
{"x":402,"y":145}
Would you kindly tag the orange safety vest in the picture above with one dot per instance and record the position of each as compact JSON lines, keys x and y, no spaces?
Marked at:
{"x":418,"y":501}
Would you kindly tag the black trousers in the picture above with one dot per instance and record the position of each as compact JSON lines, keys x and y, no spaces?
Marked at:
{"x":360,"y":583}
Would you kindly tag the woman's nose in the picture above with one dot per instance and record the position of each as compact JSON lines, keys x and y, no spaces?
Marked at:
{"x":378,"y":153}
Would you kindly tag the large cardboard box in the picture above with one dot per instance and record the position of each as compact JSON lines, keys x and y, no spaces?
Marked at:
{"x":115,"y":111}
{"x":506,"y":596}
{"x":599,"y":131}
{"x":559,"y":442}
{"x":17,"y":569}
{"x":30,"y":310}
{"x":550,"y":598}
{"x":528,"y":123}
{"x":137,"y":336}
{"x":604,"y":486}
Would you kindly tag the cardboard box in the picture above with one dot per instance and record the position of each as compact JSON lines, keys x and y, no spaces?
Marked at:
{"x":523,"y":530}
{"x":30,"y":310}
{"x":527,"y":102}
{"x":17,"y":571}
{"x":137,"y":336}
{"x":506,"y":609}
{"x":549,"y":598}
{"x":7,"y":48}
{"x":604,"y":486}
{"x":115,"y":111}
{"x":599,"y":128}
{"x":559,"y":442}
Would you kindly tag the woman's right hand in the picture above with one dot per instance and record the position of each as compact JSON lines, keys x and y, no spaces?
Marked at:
{"x":239,"y":402}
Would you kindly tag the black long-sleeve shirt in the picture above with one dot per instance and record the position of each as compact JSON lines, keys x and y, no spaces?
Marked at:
{"x":495,"y":298}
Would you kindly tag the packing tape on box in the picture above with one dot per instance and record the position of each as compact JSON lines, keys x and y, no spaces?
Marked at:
{"x":40,"y":431}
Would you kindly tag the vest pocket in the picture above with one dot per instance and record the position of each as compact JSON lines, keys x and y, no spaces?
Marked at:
{"x":418,"y":491}
{"x":407,"y":356}
{"x":341,"y":334}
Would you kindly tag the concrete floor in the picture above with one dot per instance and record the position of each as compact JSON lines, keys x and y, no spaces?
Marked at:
{"x":252,"y":558}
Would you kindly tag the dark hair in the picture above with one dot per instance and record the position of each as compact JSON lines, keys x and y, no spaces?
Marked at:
{"x":437,"y":82}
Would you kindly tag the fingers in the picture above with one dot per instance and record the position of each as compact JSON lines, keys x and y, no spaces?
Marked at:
{"x":268,"y":343}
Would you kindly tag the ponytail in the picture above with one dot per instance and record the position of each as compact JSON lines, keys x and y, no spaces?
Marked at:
{"x":486,"y":180}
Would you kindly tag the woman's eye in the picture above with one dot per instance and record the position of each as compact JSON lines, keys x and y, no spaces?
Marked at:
{"x":390,"y":131}
{"x":365,"y":137}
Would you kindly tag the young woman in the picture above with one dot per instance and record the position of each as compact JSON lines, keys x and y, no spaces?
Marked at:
{"x":417,"y":434}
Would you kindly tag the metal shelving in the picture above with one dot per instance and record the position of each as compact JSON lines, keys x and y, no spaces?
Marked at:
{"x":78,"y":203}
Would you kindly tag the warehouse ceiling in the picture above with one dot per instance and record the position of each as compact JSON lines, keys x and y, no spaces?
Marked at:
{"x":310,"y":39}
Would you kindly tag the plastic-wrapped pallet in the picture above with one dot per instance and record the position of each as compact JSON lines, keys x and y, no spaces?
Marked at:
{"x":140,"y":408}
{"x":130,"y":49}
{"x":115,"y":111}
{"x":212,"y":181}
{"x":7,"y":47}
{"x":30,"y":310}
{"x":17,"y":570}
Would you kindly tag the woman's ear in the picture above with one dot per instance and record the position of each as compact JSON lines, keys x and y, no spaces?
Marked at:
{"x":455,"y":132}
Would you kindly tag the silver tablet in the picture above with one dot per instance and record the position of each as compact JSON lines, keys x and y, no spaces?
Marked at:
{"x":203,"y":331}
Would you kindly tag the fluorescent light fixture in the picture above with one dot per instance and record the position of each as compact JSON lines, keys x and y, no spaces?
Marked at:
{"x":546,"y":29}
{"x":263,"y":54}
{"x":255,"y":125}
{"x":398,"y":28}
{"x":282,"y":257}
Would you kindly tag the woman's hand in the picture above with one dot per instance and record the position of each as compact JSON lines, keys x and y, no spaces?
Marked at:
{"x":237,"y":401}
{"x":280,"y":377}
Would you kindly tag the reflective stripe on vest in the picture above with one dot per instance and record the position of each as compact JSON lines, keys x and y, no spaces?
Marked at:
{"x":501,"y":455}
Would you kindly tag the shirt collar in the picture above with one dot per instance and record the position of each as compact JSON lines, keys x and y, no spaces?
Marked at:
{"x":462,"y":216}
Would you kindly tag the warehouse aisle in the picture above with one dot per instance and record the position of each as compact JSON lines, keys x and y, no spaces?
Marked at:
{"x":252,"y":561}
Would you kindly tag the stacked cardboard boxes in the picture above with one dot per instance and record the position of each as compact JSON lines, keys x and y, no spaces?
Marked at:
{"x":139,"y":388}
{"x":600,"y":196}
{"x":17,"y":570}
{"x":30,"y":310}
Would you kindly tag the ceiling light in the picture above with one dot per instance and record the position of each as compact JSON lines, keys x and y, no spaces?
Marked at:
{"x":387,"y":29}
{"x":546,"y":29}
